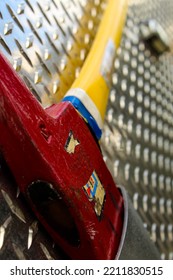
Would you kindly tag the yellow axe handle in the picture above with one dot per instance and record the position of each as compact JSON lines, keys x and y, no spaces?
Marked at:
{"x":89,"y":92}
{"x":95,"y":71}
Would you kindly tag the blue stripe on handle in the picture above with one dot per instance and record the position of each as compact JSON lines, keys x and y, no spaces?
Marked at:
{"x":85,"y":114}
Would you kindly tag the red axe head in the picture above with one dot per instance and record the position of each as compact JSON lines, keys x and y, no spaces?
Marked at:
{"x":59,"y":168}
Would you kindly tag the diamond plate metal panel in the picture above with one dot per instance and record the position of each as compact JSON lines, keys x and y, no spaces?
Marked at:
{"x":137,"y":141}
{"x":138,"y":132}
{"x":47,"y":41}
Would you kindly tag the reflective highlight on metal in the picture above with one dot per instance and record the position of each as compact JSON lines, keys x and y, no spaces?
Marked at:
{"x":137,"y":138}
{"x":47,"y":41}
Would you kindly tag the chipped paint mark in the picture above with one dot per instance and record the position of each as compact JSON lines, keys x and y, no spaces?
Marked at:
{"x":14,"y":209}
{"x":71,"y":143}
{"x":32,"y":231}
{"x":46,"y":252}
{"x":3,"y":230}
{"x":91,"y":231}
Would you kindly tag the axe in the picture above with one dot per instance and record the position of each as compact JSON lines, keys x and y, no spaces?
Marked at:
{"x":54,"y":153}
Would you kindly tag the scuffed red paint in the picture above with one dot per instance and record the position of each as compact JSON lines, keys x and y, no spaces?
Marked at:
{"x":32,"y":141}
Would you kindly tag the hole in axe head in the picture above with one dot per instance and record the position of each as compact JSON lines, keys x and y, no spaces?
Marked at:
{"x":51,"y":206}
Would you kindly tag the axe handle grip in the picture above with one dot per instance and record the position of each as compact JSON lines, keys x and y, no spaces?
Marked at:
{"x":98,"y":65}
